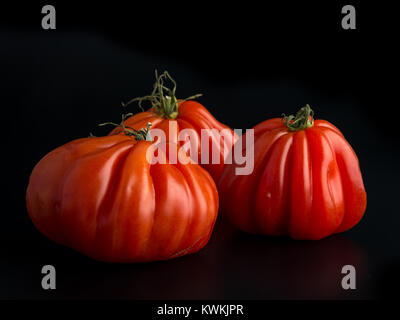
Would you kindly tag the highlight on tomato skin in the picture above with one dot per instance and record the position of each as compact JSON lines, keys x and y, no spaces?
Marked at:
{"x":185,"y":114}
{"x":306,"y":181}
{"x":102,"y":197}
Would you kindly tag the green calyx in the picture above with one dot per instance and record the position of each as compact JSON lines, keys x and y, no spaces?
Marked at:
{"x":142,"y":134}
{"x":304,"y":119}
{"x":163,"y":99}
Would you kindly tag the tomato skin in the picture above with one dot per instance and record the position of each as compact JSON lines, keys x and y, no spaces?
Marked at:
{"x":306,"y":184}
{"x":191,"y":115}
{"x":103,"y":198}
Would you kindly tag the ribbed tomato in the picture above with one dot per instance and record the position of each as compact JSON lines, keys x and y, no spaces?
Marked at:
{"x":185,"y":114}
{"x":306,"y":181}
{"x":102,"y":197}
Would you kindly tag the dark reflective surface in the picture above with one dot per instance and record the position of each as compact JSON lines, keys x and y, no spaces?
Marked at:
{"x":234,"y":265}
{"x":282,"y":268}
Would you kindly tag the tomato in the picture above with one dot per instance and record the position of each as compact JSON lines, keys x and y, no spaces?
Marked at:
{"x":103,"y":198}
{"x":306,"y":181}
{"x":185,"y":114}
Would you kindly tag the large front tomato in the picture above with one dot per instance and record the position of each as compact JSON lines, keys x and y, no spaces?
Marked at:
{"x":306,"y":181}
{"x":102,"y":197}
{"x":169,"y":112}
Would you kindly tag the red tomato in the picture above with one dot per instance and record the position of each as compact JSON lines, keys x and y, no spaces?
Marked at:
{"x":185,"y":114}
{"x":103,"y":198}
{"x":306,"y":181}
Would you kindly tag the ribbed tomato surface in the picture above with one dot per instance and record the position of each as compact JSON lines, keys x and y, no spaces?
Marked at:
{"x":103,"y":198}
{"x":305,"y":183}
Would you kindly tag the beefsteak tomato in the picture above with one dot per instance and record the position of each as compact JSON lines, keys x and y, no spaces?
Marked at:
{"x":306,"y":181}
{"x":103,"y":197}
{"x":168,"y":112}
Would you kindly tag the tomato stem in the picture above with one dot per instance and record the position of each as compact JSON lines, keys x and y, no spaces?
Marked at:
{"x":304,"y":119}
{"x":142,"y":134}
{"x":162,"y":98}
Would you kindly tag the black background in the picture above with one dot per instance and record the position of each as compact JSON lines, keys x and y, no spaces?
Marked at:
{"x":252,"y":62}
